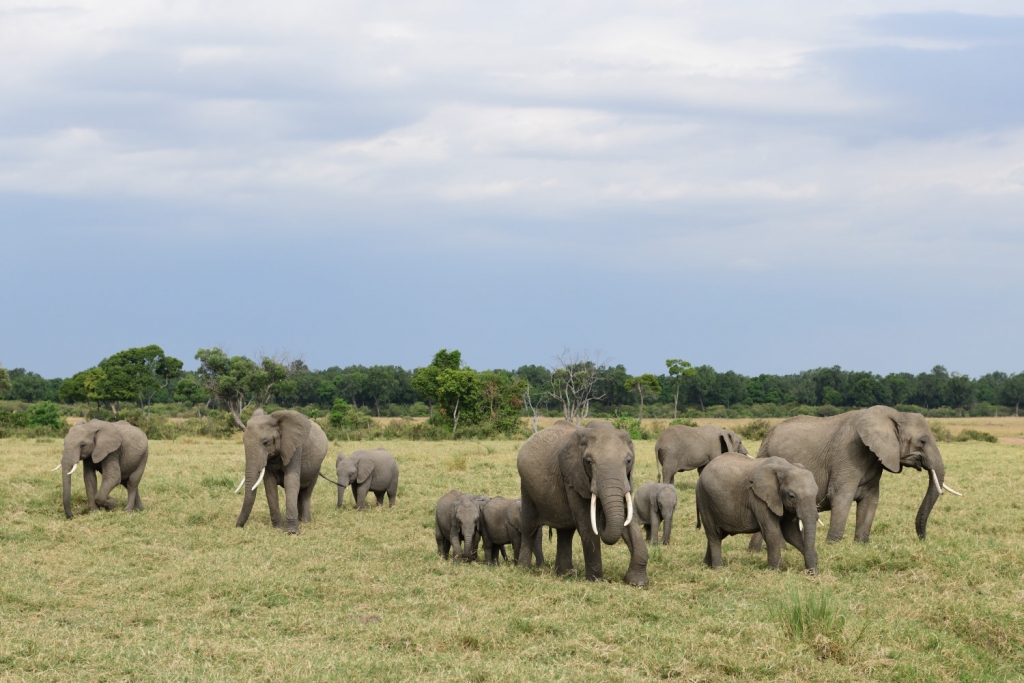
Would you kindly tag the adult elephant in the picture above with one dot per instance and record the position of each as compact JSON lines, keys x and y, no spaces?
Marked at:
{"x":118,"y":450}
{"x":283,"y":448}
{"x":580,"y":479}
{"x":681,"y":448}
{"x":847,"y":454}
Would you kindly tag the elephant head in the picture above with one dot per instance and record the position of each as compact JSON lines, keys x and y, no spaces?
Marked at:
{"x":94,"y":439}
{"x":667,"y":501}
{"x":597,"y":463}
{"x":354,"y":471}
{"x":904,"y":439}
{"x":280,"y":434}
{"x":790,"y":491}
{"x":466,"y":525}
{"x":733,"y":440}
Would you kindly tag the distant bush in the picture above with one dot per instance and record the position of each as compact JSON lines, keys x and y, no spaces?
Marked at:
{"x":42,"y":419}
{"x":755,"y":430}
{"x":685,"y":421}
{"x":940,"y":432}
{"x":975,"y":435}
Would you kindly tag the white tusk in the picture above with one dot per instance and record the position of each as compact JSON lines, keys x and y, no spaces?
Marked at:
{"x":800,"y":523}
{"x":259,"y":480}
{"x":73,"y":469}
{"x":593,"y":513}
{"x":936,"y":478}
{"x":821,"y":522}
{"x":629,"y":507}
{"x":240,"y":484}
{"x":951,"y":490}
{"x":56,"y":468}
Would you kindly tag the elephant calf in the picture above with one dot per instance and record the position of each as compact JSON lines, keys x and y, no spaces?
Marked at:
{"x":458,"y":524}
{"x":740,"y":495}
{"x":502,"y":524}
{"x":366,"y":471}
{"x":656,"y":503}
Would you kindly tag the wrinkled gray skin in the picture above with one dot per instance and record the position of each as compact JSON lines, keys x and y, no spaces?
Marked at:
{"x":681,"y":448}
{"x":847,"y":453}
{"x":457,"y":525}
{"x":740,"y":495}
{"x":656,"y":503}
{"x":292,"y":448}
{"x":117,"y":450}
{"x":366,"y":471}
{"x":560,"y":468}
{"x":502,"y":524}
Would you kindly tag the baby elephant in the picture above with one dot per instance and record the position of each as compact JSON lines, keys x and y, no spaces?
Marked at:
{"x":656,"y":503}
{"x":458,"y":524}
{"x":501,"y":526}
{"x":740,"y":495}
{"x":367,"y":471}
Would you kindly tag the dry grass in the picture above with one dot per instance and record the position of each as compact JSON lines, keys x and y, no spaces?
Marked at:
{"x":177,"y":593}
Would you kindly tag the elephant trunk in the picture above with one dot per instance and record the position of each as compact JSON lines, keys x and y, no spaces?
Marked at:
{"x":254,"y":471}
{"x":936,"y":477}
{"x":613,"y":500}
{"x":809,"y":519}
{"x":667,"y":535}
{"x":68,"y":463}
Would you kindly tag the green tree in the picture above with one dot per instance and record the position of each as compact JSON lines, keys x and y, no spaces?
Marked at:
{"x":678,"y":369}
{"x":190,"y":390}
{"x":5,"y":382}
{"x":45,"y":415}
{"x":1011,"y":392}
{"x":382,"y":383}
{"x":643,"y":383}
{"x":425,"y":380}
{"x":136,"y":374}
{"x":502,"y":393}
{"x":703,"y":383}
{"x":238,"y":381}
{"x":960,"y":391}
{"x":458,"y":394}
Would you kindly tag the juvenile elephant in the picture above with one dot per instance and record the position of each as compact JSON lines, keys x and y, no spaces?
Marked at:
{"x":847,"y":453}
{"x":580,"y":479}
{"x":654,"y":504}
{"x":117,"y":449}
{"x":681,"y":448}
{"x":457,"y":525}
{"x":740,"y":495}
{"x":502,"y":524}
{"x":366,"y":471}
{"x":283,"y":448}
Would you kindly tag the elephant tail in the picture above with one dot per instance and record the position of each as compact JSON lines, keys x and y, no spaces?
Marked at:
{"x":698,"y":515}
{"x":330,"y":480}
{"x":550,"y":533}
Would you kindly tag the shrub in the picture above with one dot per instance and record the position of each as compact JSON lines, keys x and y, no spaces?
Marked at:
{"x":45,"y":415}
{"x":683,"y":421}
{"x":975,"y":435}
{"x":631,"y":425}
{"x":344,"y":416}
{"x":817,"y":620}
{"x":755,"y":430}
{"x":940,"y":432}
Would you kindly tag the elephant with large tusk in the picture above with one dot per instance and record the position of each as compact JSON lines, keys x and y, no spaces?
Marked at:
{"x":580,"y":479}
{"x":118,"y":450}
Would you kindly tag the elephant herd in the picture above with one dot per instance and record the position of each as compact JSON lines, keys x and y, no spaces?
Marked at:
{"x":579,"y":480}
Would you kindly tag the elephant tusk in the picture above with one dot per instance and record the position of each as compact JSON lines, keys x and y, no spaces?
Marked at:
{"x":821,"y":523}
{"x":262,"y":472}
{"x":593,"y":513}
{"x":240,"y":484}
{"x":800,"y":523}
{"x":937,"y":484}
{"x":73,"y":469}
{"x":955,"y":493}
{"x":56,"y":468}
{"x":629,"y":508}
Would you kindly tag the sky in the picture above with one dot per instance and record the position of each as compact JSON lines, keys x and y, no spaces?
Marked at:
{"x":762,"y":187}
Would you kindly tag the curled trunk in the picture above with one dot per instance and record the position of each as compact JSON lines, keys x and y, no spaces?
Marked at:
{"x":934,"y":491}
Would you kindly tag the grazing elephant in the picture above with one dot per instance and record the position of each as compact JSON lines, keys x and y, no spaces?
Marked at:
{"x":580,"y":479}
{"x":457,"y":525}
{"x":283,"y":448}
{"x":847,"y":453}
{"x":117,"y":449}
{"x":366,"y":471}
{"x":656,"y":503}
{"x":681,"y":448}
{"x":502,"y":524}
{"x":740,"y":495}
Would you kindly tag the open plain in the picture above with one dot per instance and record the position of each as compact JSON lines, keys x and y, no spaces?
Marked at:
{"x":178,"y":593}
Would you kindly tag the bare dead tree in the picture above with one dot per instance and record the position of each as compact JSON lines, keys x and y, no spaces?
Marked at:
{"x":574,"y":377}
{"x":529,"y":404}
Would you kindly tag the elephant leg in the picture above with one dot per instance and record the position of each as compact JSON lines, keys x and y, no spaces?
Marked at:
{"x":341,"y":495}
{"x":306,"y":503}
{"x":89,"y":477}
{"x":270,"y":485}
{"x":841,"y":505}
{"x":591,"y":552}
{"x":393,"y":493}
{"x":138,"y":501}
{"x":647,"y":529}
{"x":111,"y":478}
{"x":515,"y":539}
{"x":866,"y":507}
{"x":292,"y":484}
{"x":379,"y":495}
{"x":653,"y":528}
{"x":755,"y":543}
{"x":538,"y":547}
{"x":791,"y":533}
{"x":636,"y":574}
{"x":563,"y":555}
{"x":504,"y":555}
{"x":713,"y":555}
{"x":528,"y":524}
{"x":443,"y":546}
{"x":773,"y":539}
{"x":360,"y":495}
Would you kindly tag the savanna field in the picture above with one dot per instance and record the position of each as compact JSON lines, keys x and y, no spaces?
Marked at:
{"x":177,"y":593}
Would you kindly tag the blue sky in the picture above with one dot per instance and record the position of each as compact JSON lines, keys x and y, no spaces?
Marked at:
{"x":760,"y":187}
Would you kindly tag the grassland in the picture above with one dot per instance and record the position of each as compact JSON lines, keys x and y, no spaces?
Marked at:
{"x":176,"y":593}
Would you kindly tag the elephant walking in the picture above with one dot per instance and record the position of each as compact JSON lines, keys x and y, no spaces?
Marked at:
{"x":847,"y":453}
{"x":283,"y":448}
{"x":740,"y":495}
{"x":366,"y":471}
{"x":458,"y":524}
{"x":117,"y":450}
{"x":580,"y":479}
{"x":656,"y":503}
{"x":502,"y":524}
{"x":681,"y":448}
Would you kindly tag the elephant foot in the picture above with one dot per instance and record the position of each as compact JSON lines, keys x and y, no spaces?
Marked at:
{"x":812,"y":571}
{"x":293,"y":532}
{"x":637,"y":577}
{"x":109,"y":505}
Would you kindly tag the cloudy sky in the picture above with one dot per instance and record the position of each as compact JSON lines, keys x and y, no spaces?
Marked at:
{"x":764,"y":187}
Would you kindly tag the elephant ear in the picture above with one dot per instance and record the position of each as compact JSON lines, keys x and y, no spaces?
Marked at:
{"x":570,"y":462}
{"x":723,"y":442}
{"x":877,"y":430}
{"x":294,"y":428}
{"x":765,"y":484}
{"x":108,"y":440}
{"x":364,"y":468}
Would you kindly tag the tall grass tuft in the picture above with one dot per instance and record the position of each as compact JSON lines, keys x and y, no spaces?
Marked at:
{"x":818,"y":620}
